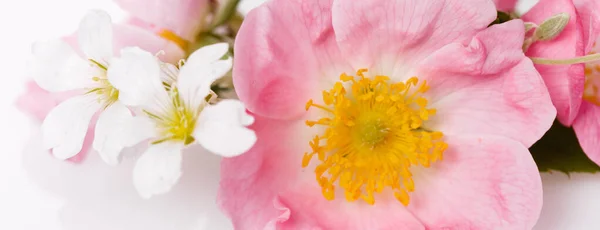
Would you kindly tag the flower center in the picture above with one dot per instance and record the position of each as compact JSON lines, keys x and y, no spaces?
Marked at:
{"x":107,"y":94}
{"x":177,"y":122}
{"x":373,"y":136}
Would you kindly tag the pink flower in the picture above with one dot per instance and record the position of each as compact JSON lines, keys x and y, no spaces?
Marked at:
{"x":586,"y":123}
{"x":419,"y":117}
{"x":564,"y":82}
{"x":505,"y":5}
{"x":38,"y":102}
{"x":573,"y":88}
{"x":185,"y":18}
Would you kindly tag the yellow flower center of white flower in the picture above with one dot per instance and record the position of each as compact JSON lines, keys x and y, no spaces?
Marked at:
{"x":178,"y":121}
{"x":373,"y":136}
{"x":107,"y":94}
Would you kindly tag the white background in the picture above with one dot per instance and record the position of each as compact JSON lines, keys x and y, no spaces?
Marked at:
{"x":38,"y":192}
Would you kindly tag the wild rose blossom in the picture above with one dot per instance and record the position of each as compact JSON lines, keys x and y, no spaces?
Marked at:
{"x":385,"y":115}
{"x":174,"y":114}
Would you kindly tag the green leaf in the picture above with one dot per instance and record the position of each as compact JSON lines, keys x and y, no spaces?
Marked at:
{"x":559,"y":150}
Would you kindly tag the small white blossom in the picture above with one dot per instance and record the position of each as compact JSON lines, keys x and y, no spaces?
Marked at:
{"x":56,"y":67}
{"x":175,"y":112}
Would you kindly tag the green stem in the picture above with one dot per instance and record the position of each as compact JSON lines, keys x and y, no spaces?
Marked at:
{"x":577,"y":60}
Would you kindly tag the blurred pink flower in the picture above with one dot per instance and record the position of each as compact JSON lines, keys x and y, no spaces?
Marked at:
{"x":38,"y":102}
{"x":182,"y":17}
{"x":437,"y":77}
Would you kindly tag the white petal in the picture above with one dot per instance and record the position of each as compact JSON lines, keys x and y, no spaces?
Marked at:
{"x":95,"y":36}
{"x":208,"y":54}
{"x":158,"y":169}
{"x":136,"y":74}
{"x":116,"y":129}
{"x":139,"y":128}
{"x":221,"y":129}
{"x":56,"y":67}
{"x":168,"y":73}
{"x":200,"y":71}
{"x":65,"y":127}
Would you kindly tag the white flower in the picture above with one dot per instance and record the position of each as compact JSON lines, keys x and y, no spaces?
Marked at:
{"x":177,"y":114}
{"x":56,"y":67}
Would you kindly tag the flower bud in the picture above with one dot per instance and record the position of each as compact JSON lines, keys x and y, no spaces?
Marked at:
{"x":552,"y":27}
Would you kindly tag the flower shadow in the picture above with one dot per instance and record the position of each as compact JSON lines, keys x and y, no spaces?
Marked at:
{"x":98,"y":197}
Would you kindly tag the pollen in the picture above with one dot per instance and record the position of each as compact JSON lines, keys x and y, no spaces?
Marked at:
{"x":373,"y":134}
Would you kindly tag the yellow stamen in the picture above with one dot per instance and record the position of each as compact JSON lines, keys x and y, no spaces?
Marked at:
{"x":107,"y":94}
{"x":178,"y":120}
{"x":373,"y":136}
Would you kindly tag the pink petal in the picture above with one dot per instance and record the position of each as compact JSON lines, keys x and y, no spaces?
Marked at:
{"x":266,"y":188}
{"x":250,"y":183}
{"x":183,"y":17}
{"x":283,"y":48}
{"x":127,"y":35}
{"x":483,"y":182}
{"x":393,"y":35}
{"x":505,"y":5}
{"x":38,"y":102}
{"x":488,"y":87}
{"x":565,"y":82}
{"x":590,"y":21}
{"x":587,"y":128}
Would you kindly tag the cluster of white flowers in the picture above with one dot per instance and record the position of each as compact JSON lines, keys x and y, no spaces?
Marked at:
{"x":138,"y":98}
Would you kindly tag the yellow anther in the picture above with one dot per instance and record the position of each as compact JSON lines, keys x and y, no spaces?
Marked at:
{"x":344,"y":77}
{"x":412,"y":81}
{"x":327,"y":98}
{"x":361,"y":72}
{"x":308,"y":104}
{"x":402,"y":196}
